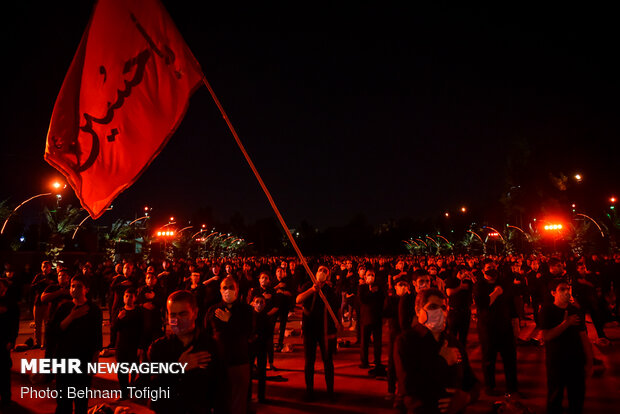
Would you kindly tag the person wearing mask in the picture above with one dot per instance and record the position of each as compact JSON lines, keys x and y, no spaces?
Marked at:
{"x":568,"y":352}
{"x":432,"y":366}
{"x":230,"y":324}
{"x":198,"y":390}
{"x":318,"y":329}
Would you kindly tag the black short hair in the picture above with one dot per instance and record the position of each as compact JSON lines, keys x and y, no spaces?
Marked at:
{"x":183,"y":296}
{"x":81,"y":279}
{"x":555,"y":282}
{"x":131,"y":290}
{"x":423,"y":297}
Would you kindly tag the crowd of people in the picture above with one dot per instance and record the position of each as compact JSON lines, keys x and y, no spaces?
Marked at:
{"x":220,"y":315}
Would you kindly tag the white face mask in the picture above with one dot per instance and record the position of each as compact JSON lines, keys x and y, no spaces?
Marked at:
{"x":435,"y":320}
{"x":229,"y":296}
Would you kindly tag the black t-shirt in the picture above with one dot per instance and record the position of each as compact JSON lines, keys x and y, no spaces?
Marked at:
{"x":566,"y":347}
{"x":462,"y":299}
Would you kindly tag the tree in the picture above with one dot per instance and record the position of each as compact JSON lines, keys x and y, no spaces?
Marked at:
{"x":61,"y":222}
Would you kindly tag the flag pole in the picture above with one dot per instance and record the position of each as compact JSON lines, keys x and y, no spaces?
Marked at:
{"x":268,"y":194}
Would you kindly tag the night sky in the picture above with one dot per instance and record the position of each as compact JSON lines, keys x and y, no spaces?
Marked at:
{"x":391,"y":112}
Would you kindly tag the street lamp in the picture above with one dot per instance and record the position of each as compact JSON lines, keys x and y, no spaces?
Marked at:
{"x":463,"y":209}
{"x":578,"y":177}
{"x":56,"y":186}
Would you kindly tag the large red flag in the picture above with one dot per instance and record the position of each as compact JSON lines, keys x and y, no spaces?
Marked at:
{"x":123,"y":97}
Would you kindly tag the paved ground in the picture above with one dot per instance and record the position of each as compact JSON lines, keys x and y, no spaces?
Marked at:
{"x":356,"y":392}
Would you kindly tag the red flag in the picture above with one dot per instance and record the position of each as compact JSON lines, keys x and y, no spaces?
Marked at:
{"x":123,"y":97}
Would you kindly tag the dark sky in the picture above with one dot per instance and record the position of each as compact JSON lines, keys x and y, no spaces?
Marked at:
{"x":391,"y":112}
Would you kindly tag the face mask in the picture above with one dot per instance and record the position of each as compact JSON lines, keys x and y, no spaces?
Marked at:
{"x":229,"y":296}
{"x":435,"y":320}
{"x":180,"y":326}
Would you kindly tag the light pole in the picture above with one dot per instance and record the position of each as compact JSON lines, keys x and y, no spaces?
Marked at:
{"x":56,"y":186}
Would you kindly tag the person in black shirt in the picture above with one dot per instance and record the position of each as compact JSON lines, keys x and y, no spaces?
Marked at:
{"x":77,"y":329}
{"x":585,"y":294}
{"x":371,"y":320}
{"x":459,"y":289}
{"x":40,"y":282}
{"x":433,"y":370}
{"x":120,"y":283}
{"x":196,"y":391}
{"x":259,"y":343}
{"x":497,"y":319}
{"x":568,"y":352}
{"x":399,"y":305}
{"x":230,"y":324}
{"x":284,"y":296}
{"x":318,"y":329}
{"x":130,"y":339}
{"x":53,"y":296}
{"x":9,"y":328}
{"x":151,"y":298}
{"x":271,"y":308}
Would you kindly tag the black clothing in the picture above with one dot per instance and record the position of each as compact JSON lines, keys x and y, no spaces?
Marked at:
{"x":129,"y":333}
{"x":262,"y":329}
{"x":197,"y":390}
{"x":153,"y":318}
{"x":82,"y":339}
{"x":371,"y":319}
{"x":496,"y":333}
{"x":9,"y":328}
{"x":231,"y":338}
{"x":459,"y":313}
{"x":565,"y":360}
{"x":423,"y":374}
{"x":319,"y":329}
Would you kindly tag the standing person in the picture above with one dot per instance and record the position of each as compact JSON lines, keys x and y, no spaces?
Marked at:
{"x":398,"y":300}
{"x":119,"y":285}
{"x":40,"y":282}
{"x":230,"y":324}
{"x":130,"y":338}
{"x":259,"y":343}
{"x":271,"y":309}
{"x":151,"y":298}
{"x":318,"y":329}
{"x":584,"y":290}
{"x":568,"y":352}
{"x":371,"y":321}
{"x":284,"y":297}
{"x":77,"y":329}
{"x":196,"y":391}
{"x":433,"y":369}
{"x":9,"y":328}
{"x":497,"y":318}
{"x":459,"y":289}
